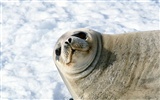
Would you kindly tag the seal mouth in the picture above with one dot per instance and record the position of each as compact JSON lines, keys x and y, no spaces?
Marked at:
{"x":71,"y":55}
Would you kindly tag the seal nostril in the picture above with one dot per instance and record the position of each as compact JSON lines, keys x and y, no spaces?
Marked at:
{"x":69,"y":40}
{"x":58,"y":51}
{"x":66,"y":43}
{"x":81,"y":35}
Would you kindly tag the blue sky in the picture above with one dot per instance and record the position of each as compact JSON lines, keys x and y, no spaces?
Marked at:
{"x":29,"y":30}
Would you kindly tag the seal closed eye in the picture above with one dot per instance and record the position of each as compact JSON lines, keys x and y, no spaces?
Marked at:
{"x":58,"y":51}
{"x":98,"y":66}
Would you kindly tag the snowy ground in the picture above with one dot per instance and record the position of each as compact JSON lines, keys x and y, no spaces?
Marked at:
{"x":31,"y":28}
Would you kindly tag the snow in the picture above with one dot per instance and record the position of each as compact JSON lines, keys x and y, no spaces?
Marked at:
{"x":30,"y":29}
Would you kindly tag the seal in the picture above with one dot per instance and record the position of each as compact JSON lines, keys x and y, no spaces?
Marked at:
{"x":97,"y":66}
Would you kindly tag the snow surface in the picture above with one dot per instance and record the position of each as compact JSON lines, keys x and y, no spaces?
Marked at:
{"x":29,"y":30}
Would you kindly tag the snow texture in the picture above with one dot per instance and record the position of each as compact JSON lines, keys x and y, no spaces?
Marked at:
{"x":30,"y":29}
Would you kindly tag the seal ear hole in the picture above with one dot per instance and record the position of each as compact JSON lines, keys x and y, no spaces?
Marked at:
{"x":58,"y":51}
{"x":81,"y":35}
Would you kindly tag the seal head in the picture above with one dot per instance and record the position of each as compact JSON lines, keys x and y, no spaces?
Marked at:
{"x":76,"y":51}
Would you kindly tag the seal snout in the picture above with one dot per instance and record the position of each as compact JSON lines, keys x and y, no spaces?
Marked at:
{"x":75,"y":44}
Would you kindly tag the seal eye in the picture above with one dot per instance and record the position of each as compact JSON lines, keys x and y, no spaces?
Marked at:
{"x":58,"y":51}
{"x":81,"y":35}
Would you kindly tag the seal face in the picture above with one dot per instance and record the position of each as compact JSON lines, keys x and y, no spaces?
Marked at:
{"x":75,"y":51}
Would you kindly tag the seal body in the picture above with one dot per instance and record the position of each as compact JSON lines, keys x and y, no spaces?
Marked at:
{"x":104,"y":67}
